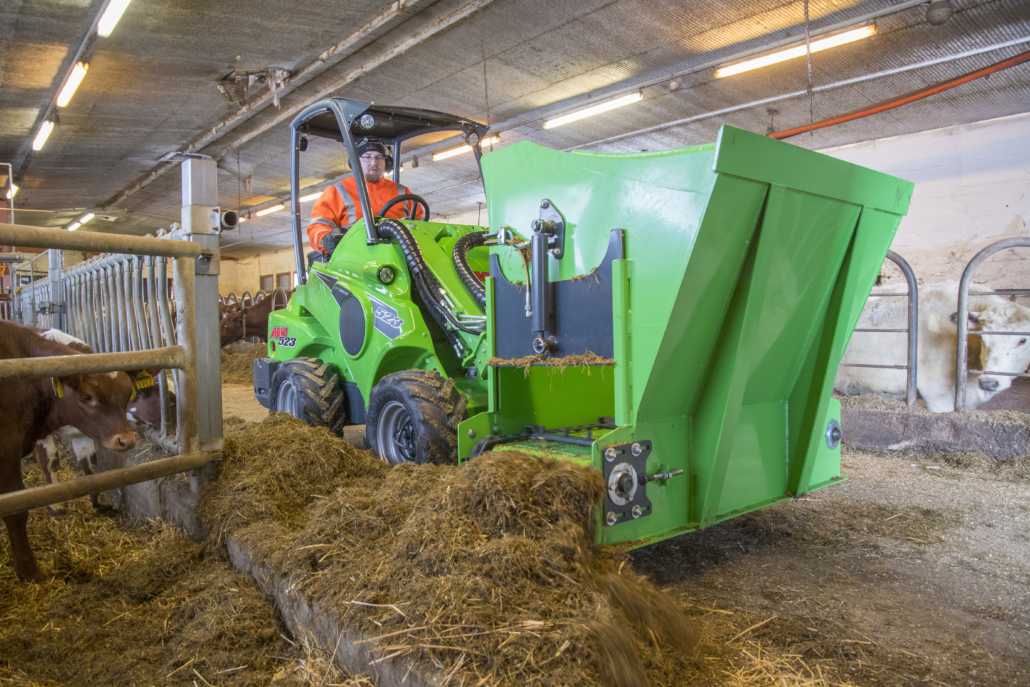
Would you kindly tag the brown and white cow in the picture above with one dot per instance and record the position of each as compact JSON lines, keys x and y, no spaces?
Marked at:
{"x":31,"y":409}
{"x":144,"y":406}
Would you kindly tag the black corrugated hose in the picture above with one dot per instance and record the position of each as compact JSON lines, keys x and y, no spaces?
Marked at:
{"x":461,"y":263}
{"x":423,"y":277}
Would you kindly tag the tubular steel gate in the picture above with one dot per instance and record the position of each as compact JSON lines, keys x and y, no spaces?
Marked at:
{"x":125,"y":315}
{"x":912,"y":363}
{"x":961,"y":364}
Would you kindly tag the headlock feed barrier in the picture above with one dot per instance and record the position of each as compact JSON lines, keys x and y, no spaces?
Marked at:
{"x":912,"y":330}
{"x":961,"y":371}
{"x":119,"y":304}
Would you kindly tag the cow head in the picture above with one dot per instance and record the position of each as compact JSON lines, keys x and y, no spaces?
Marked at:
{"x":1001,"y":352}
{"x":231,"y":327}
{"x":95,"y":405}
{"x":145,"y":403}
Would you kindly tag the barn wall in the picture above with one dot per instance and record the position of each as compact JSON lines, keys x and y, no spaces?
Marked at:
{"x":972,"y":188}
{"x":245,"y":274}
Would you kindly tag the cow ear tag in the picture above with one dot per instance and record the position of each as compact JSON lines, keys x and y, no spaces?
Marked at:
{"x":143,"y":380}
{"x":58,"y":387}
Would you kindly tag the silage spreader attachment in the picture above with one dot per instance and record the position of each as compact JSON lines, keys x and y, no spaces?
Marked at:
{"x":687,"y":310}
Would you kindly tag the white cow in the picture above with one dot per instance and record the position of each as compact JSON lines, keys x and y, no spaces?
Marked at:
{"x":936,"y":358}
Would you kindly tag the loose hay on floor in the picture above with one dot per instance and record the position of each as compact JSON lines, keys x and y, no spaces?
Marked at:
{"x":585,"y":360}
{"x":141,"y":605}
{"x":238,"y":368}
{"x":487,"y":571}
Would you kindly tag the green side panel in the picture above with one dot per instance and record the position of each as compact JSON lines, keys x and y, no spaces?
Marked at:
{"x":826,"y":466}
{"x":756,"y":469}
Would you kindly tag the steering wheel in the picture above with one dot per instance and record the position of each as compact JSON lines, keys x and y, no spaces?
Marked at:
{"x":418,"y":200}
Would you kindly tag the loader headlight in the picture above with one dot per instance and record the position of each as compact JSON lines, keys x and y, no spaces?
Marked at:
{"x":387,"y":274}
{"x":367,"y":121}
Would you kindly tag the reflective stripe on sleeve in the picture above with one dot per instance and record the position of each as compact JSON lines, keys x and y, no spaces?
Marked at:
{"x":348,"y":202}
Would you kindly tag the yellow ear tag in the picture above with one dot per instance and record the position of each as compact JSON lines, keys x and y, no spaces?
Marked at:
{"x":58,"y":387}
{"x":133,"y":397}
{"x":144,"y":380}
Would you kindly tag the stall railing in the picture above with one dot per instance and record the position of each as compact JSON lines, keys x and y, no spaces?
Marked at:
{"x":189,"y":259}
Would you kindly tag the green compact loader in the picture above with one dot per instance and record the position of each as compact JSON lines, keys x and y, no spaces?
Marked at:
{"x":674,"y":319}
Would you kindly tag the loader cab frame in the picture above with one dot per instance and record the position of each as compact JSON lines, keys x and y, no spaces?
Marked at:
{"x":348,"y":121}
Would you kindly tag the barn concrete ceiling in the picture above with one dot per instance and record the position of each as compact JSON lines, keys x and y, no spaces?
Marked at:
{"x":152,"y":87}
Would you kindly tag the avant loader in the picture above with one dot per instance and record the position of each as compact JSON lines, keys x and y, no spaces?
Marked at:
{"x":674,"y":319}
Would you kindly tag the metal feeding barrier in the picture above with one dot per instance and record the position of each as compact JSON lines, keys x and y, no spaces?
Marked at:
{"x":911,"y":366}
{"x":962,"y":344}
{"x":125,"y":315}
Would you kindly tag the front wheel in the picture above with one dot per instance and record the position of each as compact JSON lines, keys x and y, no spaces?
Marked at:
{"x":413,"y":417}
{"x":309,"y":390}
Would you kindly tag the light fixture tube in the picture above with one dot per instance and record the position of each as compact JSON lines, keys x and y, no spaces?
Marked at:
{"x":596,"y":109}
{"x":12,"y":191}
{"x":78,"y":73}
{"x":464,"y":149}
{"x":268,"y":211}
{"x":798,"y":51}
{"x":310,"y":196}
{"x":74,"y":225}
{"x":85,"y":218}
{"x":41,"y":137}
{"x":110,"y":17}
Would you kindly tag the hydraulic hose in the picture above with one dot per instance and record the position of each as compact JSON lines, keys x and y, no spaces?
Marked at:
{"x":428,"y":287}
{"x":461,"y":263}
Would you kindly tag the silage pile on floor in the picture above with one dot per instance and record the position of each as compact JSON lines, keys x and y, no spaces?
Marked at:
{"x":487,"y":571}
{"x":140,"y":605}
{"x":238,"y":367}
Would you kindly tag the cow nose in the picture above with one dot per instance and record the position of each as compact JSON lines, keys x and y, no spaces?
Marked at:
{"x":126,"y":441}
{"x":988,"y":384}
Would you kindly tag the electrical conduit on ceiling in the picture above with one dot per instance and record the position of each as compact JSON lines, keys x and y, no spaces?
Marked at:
{"x":908,"y":97}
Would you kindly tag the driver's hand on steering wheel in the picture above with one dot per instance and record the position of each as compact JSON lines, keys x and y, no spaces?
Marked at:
{"x":329,"y":243}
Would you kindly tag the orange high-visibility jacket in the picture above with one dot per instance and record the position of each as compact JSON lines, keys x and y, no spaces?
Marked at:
{"x":339,"y":206}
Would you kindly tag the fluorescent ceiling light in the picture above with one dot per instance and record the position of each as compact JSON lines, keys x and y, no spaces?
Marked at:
{"x":310,"y":196}
{"x":596,"y":109}
{"x":78,"y":73}
{"x":268,"y":211}
{"x":110,"y":17}
{"x":85,"y":218}
{"x":797,"y":51}
{"x":12,"y":191}
{"x":74,"y":226}
{"x":41,"y":137}
{"x":464,"y":149}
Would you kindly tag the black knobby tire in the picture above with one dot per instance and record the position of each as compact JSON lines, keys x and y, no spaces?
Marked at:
{"x":413,"y":417}
{"x":309,"y":390}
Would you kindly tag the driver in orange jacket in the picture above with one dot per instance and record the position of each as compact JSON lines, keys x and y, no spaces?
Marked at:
{"x":339,"y":205}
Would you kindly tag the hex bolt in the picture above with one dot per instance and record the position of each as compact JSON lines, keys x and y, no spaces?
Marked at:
{"x":609,"y":454}
{"x":544,"y":204}
{"x":472,"y":434}
{"x":554,"y":252}
{"x":636,"y":449}
{"x":636,"y":511}
{"x":497,"y":430}
{"x":611,"y":519}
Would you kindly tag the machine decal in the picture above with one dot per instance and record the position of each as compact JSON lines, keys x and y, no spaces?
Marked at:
{"x":282,"y":337}
{"x":386,"y":319}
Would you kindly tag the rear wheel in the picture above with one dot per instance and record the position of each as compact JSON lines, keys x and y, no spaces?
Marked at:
{"x":413,"y":417}
{"x":309,"y":390}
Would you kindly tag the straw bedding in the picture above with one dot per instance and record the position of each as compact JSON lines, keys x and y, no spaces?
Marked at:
{"x":487,"y":571}
{"x":238,"y":368}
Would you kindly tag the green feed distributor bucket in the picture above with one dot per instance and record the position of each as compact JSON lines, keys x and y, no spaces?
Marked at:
{"x":700,"y":301}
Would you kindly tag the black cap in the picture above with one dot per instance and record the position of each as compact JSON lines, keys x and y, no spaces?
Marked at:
{"x":368,"y":143}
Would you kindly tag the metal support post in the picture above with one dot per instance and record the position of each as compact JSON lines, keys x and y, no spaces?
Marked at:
{"x":55,"y":269}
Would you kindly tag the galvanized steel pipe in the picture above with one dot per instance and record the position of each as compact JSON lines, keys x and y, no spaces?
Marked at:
{"x":37,"y":497}
{"x":96,"y":242}
{"x":64,"y":365}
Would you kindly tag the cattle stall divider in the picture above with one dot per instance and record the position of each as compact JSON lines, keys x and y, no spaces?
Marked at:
{"x":962,"y":342}
{"x":8,"y":304}
{"x":107,"y":314}
{"x":912,"y":363}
